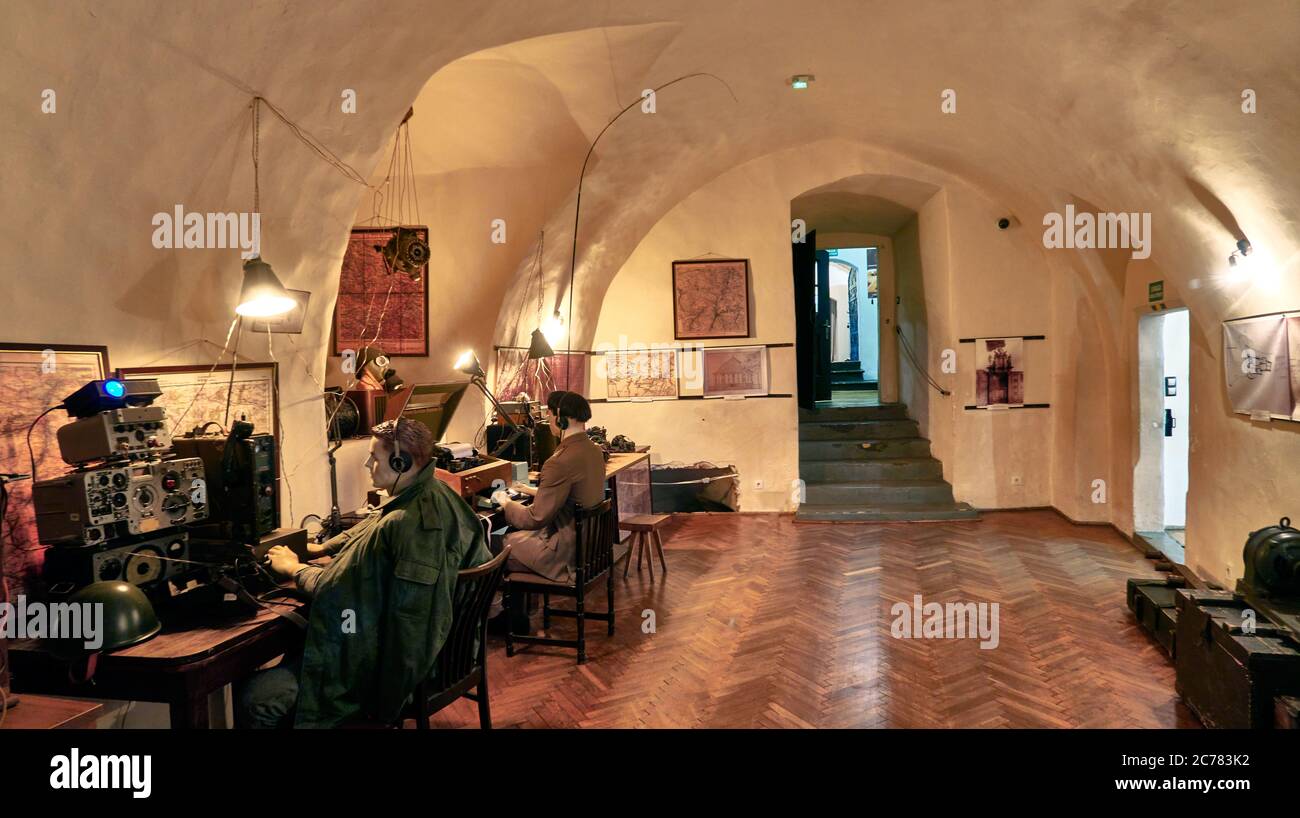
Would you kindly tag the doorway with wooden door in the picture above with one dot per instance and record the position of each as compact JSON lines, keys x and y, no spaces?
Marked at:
{"x":836,"y":325}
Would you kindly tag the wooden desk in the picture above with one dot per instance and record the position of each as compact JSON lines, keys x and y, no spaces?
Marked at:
{"x":49,"y":713}
{"x":195,"y":655}
{"x":632,"y":499}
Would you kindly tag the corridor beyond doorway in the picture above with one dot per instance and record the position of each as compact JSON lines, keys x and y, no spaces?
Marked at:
{"x":855,"y":326}
{"x":1161,"y":475}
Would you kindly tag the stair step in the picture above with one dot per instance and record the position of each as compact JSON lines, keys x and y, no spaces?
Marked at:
{"x":844,"y":414}
{"x":858,"y":429}
{"x":809,"y":513}
{"x":866,"y":471}
{"x":846,"y":366}
{"x":880,"y":492}
{"x":880,"y":448}
{"x":852,"y":386}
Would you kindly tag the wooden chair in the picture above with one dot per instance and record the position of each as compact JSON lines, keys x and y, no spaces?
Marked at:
{"x":594,"y":560}
{"x":645,"y":538}
{"x":462,"y":662}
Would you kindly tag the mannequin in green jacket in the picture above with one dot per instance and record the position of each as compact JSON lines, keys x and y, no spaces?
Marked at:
{"x":381,"y":608}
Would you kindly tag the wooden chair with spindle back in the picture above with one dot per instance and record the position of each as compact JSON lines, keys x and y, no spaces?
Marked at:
{"x":462,"y":662}
{"x":594,"y":532}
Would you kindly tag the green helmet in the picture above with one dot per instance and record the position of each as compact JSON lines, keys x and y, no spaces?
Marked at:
{"x":128,"y":619}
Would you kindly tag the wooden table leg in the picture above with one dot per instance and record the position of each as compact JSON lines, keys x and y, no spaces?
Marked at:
{"x":189,"y":711}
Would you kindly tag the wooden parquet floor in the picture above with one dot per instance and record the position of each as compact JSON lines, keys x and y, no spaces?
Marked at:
{"x":764,"y":623}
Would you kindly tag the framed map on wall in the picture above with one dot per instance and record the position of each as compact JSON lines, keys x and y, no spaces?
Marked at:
{"x":36,"y":377}
{"x":515,"y":374}
{"x":711,"y":298}
{"x":196,"y":395}
{"x":376,"y":306}
{"x":641,"y":374}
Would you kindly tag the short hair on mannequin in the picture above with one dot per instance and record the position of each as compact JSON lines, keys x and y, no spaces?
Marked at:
{"x":553,"y":400}
{"x":575,"y":407}
{"x":413,"y":436}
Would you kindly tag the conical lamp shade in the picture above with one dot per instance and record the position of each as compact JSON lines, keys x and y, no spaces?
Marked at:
{"x":262,"y":295}
{"x":540,"y":347}
{"x":468,"y":364}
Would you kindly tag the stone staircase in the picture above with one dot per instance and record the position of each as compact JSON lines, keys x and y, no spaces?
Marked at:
{"x":870,"y":464}
{"x":847,"y":376}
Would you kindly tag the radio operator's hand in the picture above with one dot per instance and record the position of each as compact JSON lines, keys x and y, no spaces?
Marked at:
{"x":500,"y":497}
{"x":283,"y":561}
{"x":524,"y":488}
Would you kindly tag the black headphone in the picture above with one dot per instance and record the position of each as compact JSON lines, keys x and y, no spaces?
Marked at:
{"x":561,"y":419}
{"x":400,"y":461}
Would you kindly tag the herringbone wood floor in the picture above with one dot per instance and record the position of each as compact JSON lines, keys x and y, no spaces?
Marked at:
{"x":764,"y":623}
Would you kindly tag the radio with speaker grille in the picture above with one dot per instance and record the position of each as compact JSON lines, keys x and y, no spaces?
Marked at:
{"x":145,"y":562}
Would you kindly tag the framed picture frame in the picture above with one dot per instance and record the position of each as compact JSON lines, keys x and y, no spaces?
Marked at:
{"x":711,"y":299}
{"x":641,"y":374}
{"x":196,"y":395}
{"x":999,"y":372}
{"x":37,"y":376}
{"x":368,"y":290}
{"x":734,"y":371}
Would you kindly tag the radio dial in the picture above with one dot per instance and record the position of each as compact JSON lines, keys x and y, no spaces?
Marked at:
{"x":110,"y":569}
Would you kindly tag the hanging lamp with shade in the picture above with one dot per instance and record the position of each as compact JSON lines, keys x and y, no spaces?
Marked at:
{"x":262,"y":295}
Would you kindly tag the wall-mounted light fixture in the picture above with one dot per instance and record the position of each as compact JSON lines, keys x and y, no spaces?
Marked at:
{"x":1243,"y":250}
{"x":801,"y":81}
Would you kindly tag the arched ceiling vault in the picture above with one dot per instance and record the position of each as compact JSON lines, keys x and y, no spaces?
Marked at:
{"x":1115,"y":107}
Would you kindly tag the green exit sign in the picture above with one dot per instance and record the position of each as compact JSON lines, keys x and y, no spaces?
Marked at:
{"x":1156,"y":291}
{"x":832,"y":252}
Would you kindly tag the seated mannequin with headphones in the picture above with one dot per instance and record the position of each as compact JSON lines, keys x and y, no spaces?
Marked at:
{"x":381,"y":609}
{"x":544,"y":541}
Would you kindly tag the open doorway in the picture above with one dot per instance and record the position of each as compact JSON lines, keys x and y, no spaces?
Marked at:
{"x":1160,"y":478}
{"x":839,"y":290}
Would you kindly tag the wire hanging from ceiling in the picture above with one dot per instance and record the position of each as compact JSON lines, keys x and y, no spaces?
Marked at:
{"x":577,"y":205}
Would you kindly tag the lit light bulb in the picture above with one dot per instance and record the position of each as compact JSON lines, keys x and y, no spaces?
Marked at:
{"x":553,"y":328}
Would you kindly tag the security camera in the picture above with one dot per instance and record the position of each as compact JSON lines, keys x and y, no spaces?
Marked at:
{"x":1007,"y":221}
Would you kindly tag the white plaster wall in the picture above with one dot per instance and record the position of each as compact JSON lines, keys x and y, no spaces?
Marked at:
{"x":994,"y":286}
{"x":1135,"y":112}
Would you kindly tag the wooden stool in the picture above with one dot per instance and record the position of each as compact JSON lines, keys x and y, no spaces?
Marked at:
{"x":645,"y":537}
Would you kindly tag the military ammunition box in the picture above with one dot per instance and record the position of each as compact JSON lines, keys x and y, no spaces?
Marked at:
{"x":1231,"y":664}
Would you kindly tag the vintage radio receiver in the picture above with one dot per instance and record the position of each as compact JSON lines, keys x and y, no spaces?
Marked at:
{"x":243,"y":492}
{"x":114,"y":501}
{"x":468,"y":476}
{"x":131,"y":432}
{"x":144,"y":562}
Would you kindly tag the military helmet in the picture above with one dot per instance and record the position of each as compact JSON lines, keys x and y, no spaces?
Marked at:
{"x":129,"y":619}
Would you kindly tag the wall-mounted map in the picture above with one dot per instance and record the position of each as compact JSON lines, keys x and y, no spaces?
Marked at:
{"x":193,"y":397}
{"x":36,"y":377}
{"x":515,"y":374}
{"x":641,"y":374}
{"x":711,"y":298}
{"x":378,"y":306}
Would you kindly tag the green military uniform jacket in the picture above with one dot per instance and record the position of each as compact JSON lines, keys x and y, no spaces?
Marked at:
{"x":382,"y":608}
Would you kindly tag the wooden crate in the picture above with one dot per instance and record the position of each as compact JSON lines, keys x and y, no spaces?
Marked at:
{"x":1229,"y":678}
{"x":1286,"y":713}
{"x":1152,"y":603}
